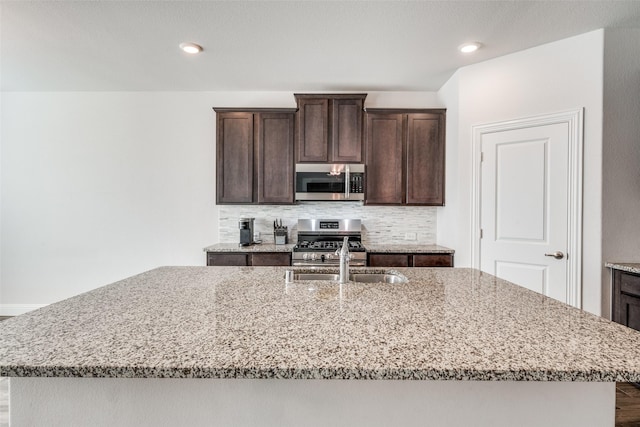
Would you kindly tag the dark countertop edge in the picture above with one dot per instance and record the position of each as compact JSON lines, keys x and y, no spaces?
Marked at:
{"x":624,"y":266}
{"x":317,"y":374}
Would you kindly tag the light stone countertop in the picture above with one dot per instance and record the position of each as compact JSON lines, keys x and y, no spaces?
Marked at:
{"x":409,"y":248}
{"x":624,"y":266}
{"x":262,"y":247}
{"x":270,"y":247}
{"x":245,"y":322}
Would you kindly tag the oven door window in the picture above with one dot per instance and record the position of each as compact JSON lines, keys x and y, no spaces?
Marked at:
{"x":319,"y":182}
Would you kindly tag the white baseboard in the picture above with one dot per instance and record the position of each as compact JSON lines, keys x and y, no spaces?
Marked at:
{"x":18,"y":309}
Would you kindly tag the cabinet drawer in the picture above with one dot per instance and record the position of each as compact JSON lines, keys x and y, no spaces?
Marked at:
{"x":433,"y":260}
{"x":388,"y":260}
{"x":630,"y":284}
{"x":226,"y":259}
{"x":271,"y":258}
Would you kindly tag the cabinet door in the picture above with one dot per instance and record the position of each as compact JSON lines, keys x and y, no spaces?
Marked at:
{"x":346,"y":141}
{"x":227,"y":259}
{"x":275,"y":159}
{"x":433,"y":260}
{"x":271,"y":258}
{"x":626,"y":299}
{"x":425,"y":159}
{"x":234,"y":158}
{"x":384,"y":175}
{"x":630,"y":311}
{"x":313,"y":130}
{"x":388,"y":260}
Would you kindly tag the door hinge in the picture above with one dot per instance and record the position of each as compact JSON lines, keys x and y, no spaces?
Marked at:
{"x":482,"y":156}
{"x":481,"y":234}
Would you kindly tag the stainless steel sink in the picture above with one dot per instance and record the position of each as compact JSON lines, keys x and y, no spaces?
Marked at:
{"x":377,"y":278}
{"x":316,"y":276}
{"x":354,"y":277}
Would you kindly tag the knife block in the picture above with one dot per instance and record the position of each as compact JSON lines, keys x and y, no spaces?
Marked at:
{"x":280,"y":237}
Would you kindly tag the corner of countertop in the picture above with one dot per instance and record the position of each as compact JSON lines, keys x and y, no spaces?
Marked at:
{"x":630,"y":267}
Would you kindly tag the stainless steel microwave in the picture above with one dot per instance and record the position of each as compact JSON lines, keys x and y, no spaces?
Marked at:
{"x":329,"y":181}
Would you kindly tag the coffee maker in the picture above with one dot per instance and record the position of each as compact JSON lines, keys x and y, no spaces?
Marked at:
{"x":246,"y":231}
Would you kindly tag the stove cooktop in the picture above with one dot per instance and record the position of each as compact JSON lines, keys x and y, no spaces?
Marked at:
{"x":327,"y":245}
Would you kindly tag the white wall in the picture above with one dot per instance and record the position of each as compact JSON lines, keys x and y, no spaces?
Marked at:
{"x":558,"y":76}
{"x":98,"y":186}
{"x":621,"y":154}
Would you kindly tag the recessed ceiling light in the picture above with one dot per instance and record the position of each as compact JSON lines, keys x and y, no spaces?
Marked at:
{"x":191,"y":47}
{"x":470,"y":47}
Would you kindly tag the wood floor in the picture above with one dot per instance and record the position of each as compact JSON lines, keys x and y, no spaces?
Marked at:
{"x":627,"y":403}
{"x":4,"y":402}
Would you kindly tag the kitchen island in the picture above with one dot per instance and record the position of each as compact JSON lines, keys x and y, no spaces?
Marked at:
{"x":239,"y":346}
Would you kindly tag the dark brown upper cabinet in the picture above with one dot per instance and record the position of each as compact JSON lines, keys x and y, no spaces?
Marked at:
{"x":255,"y":156}
{"x":405,"y":156}
{"x":329,"y":128}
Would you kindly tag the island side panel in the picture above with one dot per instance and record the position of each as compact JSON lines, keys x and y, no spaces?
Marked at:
{"x":222,"y":402}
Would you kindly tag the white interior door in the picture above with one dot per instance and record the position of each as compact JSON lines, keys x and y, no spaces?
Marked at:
{"x":524,"y":207}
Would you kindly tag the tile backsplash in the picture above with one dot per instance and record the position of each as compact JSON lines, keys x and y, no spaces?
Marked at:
{"x":380,"y":224}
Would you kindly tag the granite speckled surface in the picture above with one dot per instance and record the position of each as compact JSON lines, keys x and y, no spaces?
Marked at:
{"x":409,"y":248}
{"x":262,"y":247}
{"x":270,"y":247}
{"x":245,"y":322}
{"x":624,"y":266}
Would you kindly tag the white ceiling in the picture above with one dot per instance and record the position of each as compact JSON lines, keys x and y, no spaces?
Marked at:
{"x":275,"y":45}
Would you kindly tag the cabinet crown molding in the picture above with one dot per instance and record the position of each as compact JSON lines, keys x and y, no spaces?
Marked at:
{"x":253,"y":110}
{"x":331,"y":95}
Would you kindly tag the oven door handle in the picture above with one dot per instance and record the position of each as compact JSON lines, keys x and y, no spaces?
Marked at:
{"x":347,"y":182}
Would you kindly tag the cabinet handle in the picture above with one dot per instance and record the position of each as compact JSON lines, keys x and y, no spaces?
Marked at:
{"x":347,"y":181}
{"x":556,"y":255}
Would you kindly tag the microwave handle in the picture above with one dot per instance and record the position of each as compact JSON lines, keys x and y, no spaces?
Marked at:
{"x":347,"y":182}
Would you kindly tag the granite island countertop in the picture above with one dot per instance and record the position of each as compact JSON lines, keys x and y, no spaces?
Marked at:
{"x":245,"y":322}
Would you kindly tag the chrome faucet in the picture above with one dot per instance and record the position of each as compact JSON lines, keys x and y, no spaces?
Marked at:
{"x":345,"y":256}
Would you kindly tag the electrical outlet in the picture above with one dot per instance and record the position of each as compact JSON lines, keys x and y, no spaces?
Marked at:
{"x":410,"y":236}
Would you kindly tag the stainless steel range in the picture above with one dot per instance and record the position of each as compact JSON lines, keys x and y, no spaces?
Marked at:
{"x":319,"y":239}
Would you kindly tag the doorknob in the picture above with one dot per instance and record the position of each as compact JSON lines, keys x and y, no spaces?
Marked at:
{"x":556,"y":255}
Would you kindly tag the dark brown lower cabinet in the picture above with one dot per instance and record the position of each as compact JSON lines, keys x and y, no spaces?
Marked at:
{"x":388,"y":260}
{"x":409,"y":260}
{"x":626,"y":299}
{"x":248,"y":259}
{"x":271,"y":258}
{"x":432,"y":260}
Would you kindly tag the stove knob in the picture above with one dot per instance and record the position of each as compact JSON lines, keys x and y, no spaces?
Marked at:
{"x":314,"y":257}
{"x":305,"y":257}
{"x":329,"y":256}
